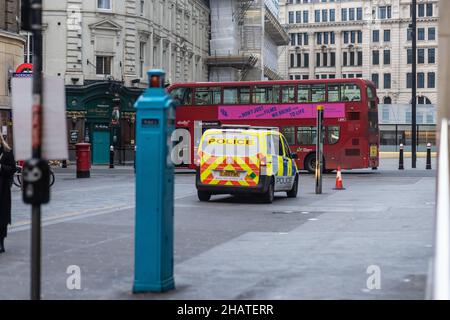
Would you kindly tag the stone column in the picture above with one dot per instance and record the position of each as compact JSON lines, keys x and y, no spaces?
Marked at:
{"x":312,"y":55}
{"x":338,"y":36}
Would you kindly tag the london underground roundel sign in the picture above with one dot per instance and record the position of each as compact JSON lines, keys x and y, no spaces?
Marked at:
{"x":25,"y":68}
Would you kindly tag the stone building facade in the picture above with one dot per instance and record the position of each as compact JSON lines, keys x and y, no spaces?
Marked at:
{"x":103,"y":48}
{"x":11,"y":56}
{"x":362,"y":38}
{"x":369,"y":39}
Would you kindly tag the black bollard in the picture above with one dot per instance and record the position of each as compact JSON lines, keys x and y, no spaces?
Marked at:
{"x":64,"y":164}
{"x":428,"y":156}
{"x":400,"y":161}
{"x":111,"y":157}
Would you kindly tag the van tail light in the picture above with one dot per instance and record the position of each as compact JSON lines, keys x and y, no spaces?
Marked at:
{"x":262,"y":161}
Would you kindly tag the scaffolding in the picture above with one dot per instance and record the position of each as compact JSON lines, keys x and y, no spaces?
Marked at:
{"x":242,"y":8}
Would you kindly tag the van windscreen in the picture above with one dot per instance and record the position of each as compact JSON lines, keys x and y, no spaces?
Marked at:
{"x":231,"y":144}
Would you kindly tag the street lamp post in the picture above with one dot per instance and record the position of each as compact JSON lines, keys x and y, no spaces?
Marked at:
{"x":35,"y":188}
{"x":414,"y":84}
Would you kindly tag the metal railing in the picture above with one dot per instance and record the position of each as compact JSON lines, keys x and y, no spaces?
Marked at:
{"x":441,"y":264}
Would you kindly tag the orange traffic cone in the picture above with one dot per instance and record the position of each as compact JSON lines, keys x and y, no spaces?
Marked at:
{"x":339,"y":185}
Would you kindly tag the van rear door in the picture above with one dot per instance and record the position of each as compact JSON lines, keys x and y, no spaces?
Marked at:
{"x":230,"y":158}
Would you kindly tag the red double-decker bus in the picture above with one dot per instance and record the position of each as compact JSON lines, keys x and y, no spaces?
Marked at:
{"x":351,"y":116}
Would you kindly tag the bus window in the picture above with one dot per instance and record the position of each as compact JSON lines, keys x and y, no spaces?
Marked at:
{"x":333,"y":134}
{"x":239,"y":95}
{"x":244,"y":95}
{"x":230,"y":96}
{"x":207,"y":96}
{"x":289,"y":134}
{"x":287,"y":94}
{"x":318,"y":93}
{"x":333,"y":93}
{"x":182,"y":96}
{"x":306,"y":135}
{"x":350,"y":92}
{"x":371,"y":96}
{"x":266,"y":94}
{"x":304,"y":93}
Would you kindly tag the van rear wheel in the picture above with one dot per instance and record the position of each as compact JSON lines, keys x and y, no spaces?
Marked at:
{"x":293,"y":192}
{"x":269,"y":195}
{"x":203,"y":196}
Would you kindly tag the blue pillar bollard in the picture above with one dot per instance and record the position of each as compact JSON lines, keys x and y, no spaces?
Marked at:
{"x":155,"y":122}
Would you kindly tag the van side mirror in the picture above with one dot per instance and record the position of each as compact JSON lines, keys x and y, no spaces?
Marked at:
{"x":294,"y":156}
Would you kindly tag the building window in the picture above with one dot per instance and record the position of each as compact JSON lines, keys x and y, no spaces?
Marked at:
{"x":344,"y":14}
{"x":28,"y":51}
{"x":104,"y":4}
{"x":421,"y":34}
{"x":142,"y":10}
{"x":141,"y":58}
{"x":291,"y":17}
{"x":421,"y":11}
{"x":387,"y":81}
{"x":324,"y":16}
{"x":317,"y":15}
{"x":431,"y":33}
{"x":298,"y":17}
{"x":421,"y":80}
{"x":103,"y":65}
{"x":292,"y":63}
{"x":385,"y":114}
{"x":409,"y":53}
{"x":325,"y":59}
{"x":360,"y":58}
{"x":332,"y":15}
{"x":332,"y":59}
{"x":408,"y":117}
{"x":306,"y":60}
{"x":344,"y":59}
{"x":375,"y":79}
{"x":376,"y":36}
{"x":375,"y":57}
{"x":409,"y":80}
{"x":387,"y":57}
{"x":431,"y":80}
{"x":432,"y":55}
{"x":384,"y":12}
{"x":359,"y":14}
{"x":351,"y":14}
{"x":387,"y":35}
{"x":317,"y":59}
{"x":429,"y":9}
{"x":305,"y":16}
{"x":421,"y":56}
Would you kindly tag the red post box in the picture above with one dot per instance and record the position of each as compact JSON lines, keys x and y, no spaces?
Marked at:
{"x":83,"y":154}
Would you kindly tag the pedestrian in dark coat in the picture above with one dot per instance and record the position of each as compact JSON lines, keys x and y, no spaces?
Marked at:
{"x":7,"y":170}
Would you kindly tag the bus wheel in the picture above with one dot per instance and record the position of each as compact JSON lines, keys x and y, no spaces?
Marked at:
{"x":269,"y":195}
{"x":310,"y":163}
{"x":203,"y":196}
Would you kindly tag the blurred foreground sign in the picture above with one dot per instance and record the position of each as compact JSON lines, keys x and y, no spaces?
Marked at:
{"x":54,"y":133}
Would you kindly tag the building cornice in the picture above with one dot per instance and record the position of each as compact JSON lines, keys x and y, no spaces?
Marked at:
{"x":11,"y":35}
{"x":361,"y":23}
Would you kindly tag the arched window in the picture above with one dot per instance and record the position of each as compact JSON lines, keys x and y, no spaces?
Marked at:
{"x":422,"y":100}
{"x":387,"y":100}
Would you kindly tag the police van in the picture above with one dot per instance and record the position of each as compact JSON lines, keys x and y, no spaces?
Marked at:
{"x":245,"y":160}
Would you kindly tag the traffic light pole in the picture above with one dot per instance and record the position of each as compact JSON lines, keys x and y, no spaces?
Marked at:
{"x":414,"y":84}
